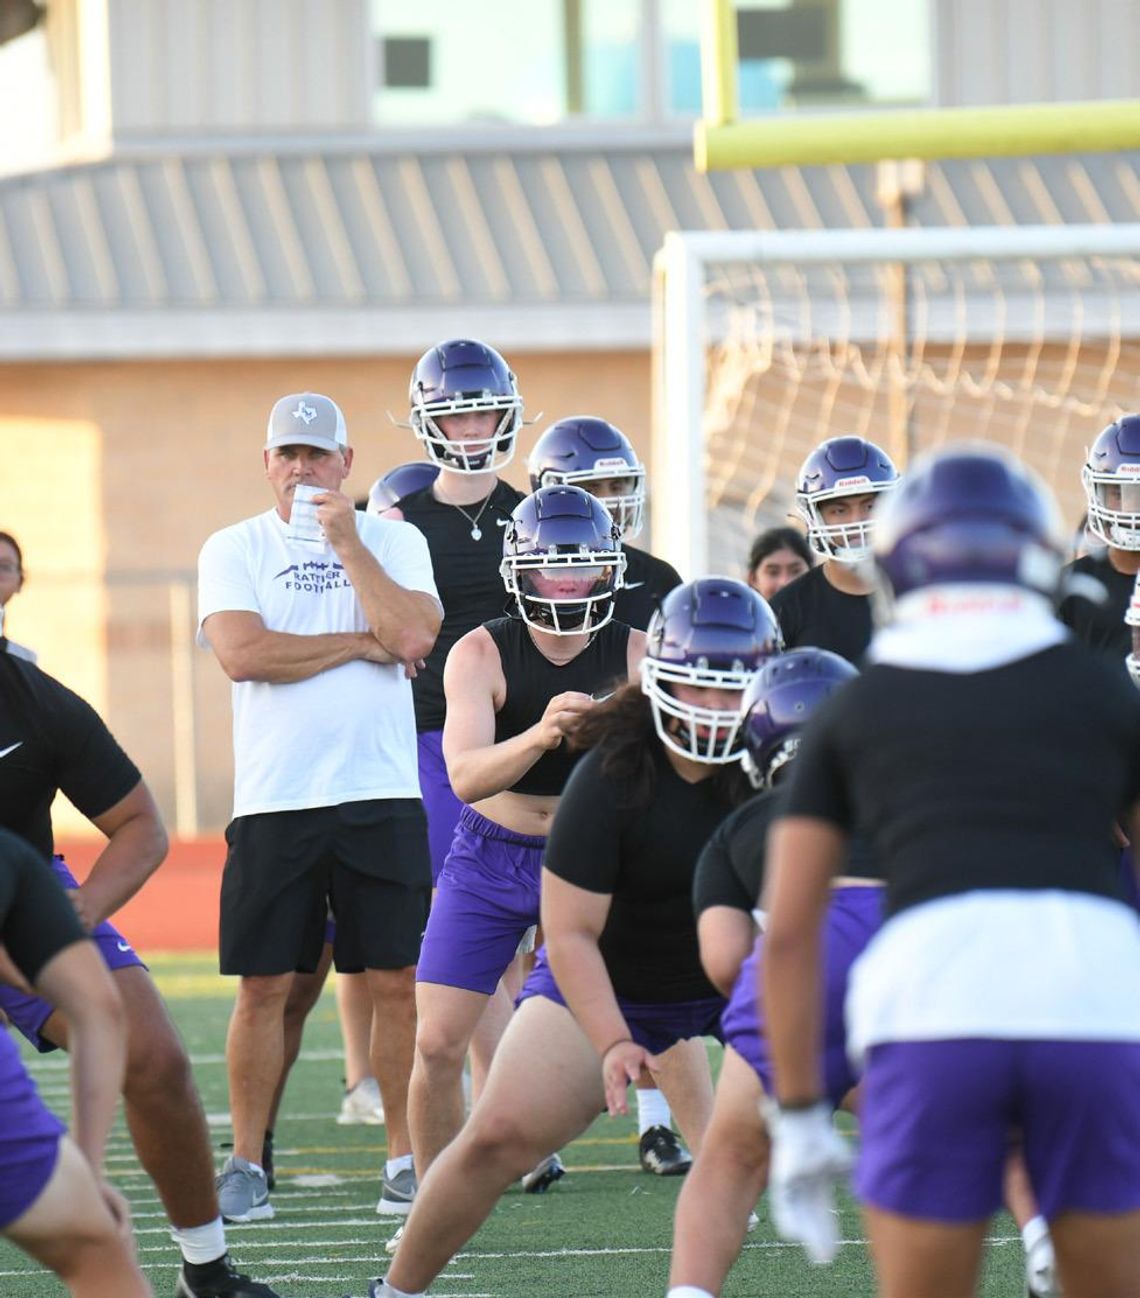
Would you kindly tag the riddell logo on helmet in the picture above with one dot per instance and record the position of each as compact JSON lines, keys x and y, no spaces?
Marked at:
{"x":613,"y":462}
{"x":861,"y":481}
{"x":1128,"y":470}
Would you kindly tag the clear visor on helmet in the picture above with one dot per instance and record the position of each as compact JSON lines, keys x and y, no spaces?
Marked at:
{"x":1114,"y":508}
{"x":840,"y":523}
{"x":565,"y":594}
{"x":622,"y":491}
{"x":707,"y":734}
{"x":486,"y":454}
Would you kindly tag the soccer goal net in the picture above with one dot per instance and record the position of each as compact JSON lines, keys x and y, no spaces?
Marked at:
{"x":767,"y":343}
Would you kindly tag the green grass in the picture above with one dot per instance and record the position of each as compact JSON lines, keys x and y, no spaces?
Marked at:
{"x":604,"y":1230}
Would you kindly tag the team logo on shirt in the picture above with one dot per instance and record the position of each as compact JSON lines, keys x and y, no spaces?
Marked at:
{"x":313,"y":577}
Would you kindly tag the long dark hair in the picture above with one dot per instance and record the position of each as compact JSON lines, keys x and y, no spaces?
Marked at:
{"x":622,"y":729}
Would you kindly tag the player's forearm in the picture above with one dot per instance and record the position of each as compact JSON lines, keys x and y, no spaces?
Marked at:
{"x":97,"y":1044}
{"x":791,"y":993}
{"x":406,"y":622}
{"x":584,"y":981}
{"x":131,"y":856}
{"x":280,"y":658}
{"x":482,"y":772}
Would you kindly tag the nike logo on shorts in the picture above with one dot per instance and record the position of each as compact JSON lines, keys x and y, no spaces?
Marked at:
{"x":123,"y":946}
{"x":11,"y":748}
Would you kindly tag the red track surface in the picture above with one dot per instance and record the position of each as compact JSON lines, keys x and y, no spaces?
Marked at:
{"x":177,"y":910}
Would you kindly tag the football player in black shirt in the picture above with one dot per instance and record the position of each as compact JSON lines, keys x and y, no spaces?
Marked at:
{"x":985,"y":755}
{"x":1111,"y":479}
{"x":732,"y":1167}
{"x":837,"y":490}
{"x":54,"y":1201}
{"x":516,"y":687}
{"x":51,"y":740}
{"x":594,"y":454}
{"x":608,"y":995}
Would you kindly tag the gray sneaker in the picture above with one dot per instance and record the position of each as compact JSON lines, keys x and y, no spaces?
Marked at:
{"x":243,"y":1194}
{"x":396,"y":1195}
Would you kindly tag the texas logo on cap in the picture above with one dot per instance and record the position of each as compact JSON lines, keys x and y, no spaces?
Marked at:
{"x":307,"y":419}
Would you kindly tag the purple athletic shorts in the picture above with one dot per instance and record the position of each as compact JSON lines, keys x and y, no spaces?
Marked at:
{"x":30,"y":1013}
{"x":29,"y":1136}
{"x":488,"y":898}
{"x":655,"y":1027}
{"x":853,"y":917}
{"x":937,"y":1119}
{"x":441,"y":805}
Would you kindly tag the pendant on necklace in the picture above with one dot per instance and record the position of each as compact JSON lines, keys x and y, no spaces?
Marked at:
{"x":476,"y":533}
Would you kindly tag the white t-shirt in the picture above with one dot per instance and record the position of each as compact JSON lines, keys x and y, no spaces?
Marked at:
{"x":347,"y":734}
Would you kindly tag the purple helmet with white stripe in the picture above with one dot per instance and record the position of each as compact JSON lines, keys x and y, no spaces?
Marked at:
{"x":838,"y":468}
{"x":457,"y":377}
{"x":777,"y":703}
{"x":969,"y":514}
{"x":584,"y":450}
{"x":1111,"y":479}
{"x":562,"y":561}
{"x":393,"y":486}
{"x":713,"y":633}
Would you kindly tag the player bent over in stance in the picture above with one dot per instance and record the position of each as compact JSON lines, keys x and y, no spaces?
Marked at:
{"x":608,"y":995}
{"x":986,"y":756}
{"x":54,"y":1201}
{"x":731,"y":1170}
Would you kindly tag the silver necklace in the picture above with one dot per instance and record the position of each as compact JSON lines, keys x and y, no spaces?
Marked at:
{"x":476,"y":530}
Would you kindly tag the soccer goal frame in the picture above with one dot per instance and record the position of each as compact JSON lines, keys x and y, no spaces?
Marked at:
{"x":683,"y":332}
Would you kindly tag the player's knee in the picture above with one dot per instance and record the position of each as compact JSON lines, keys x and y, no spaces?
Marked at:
{"x":439,"y":1048}
{"x":157,"y":1064}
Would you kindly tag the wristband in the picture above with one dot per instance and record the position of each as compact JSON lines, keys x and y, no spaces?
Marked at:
{"x":621,"y":1041}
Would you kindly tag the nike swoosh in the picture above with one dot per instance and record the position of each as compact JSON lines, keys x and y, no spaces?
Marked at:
{"x":11,"y":748}
{"x":633,"y":585}
{"x":123,"y":946}
{"x":502,"y":522}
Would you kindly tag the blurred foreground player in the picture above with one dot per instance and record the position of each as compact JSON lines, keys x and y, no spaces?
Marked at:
{"x":986,"y":756}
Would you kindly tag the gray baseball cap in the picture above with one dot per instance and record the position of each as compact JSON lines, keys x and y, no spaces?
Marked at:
{"x":307,"y":419}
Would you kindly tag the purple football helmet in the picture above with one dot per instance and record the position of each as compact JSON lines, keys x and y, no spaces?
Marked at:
{"x":1111,"y":479}
{"x":399,"y":482}
{"x":969,"y":514}
{"x":456,"y":377}
{"x":714,"y":632}
{"x":583,"y":450}
{"x":777,"y":703}
{"x":842,"y":466}
{"x":562,"y":561}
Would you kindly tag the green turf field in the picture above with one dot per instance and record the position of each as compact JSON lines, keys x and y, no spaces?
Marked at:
{"x":603,"y":1230}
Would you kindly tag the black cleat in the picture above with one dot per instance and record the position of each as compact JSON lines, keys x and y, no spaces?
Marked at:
{"x":267,"y":1161}
{"x":662,"y":1153}
{"x":541,"y":1177}
{"x":218,"y":1279}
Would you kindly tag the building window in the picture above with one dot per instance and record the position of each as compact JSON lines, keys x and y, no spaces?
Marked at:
{"x":808,"y":53}
{"x":523,"y":61}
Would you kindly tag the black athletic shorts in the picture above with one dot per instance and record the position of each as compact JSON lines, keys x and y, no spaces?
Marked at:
{"x":366,"y":862}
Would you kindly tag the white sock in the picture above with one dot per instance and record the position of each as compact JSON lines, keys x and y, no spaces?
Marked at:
{"x":1033,"y":1230}
{"x":394,"y":1166}
{"x":201,"y":1244}
{"x":687,"y":1291}
{"x":652,"y":1111}
{"x":387,"y":1291}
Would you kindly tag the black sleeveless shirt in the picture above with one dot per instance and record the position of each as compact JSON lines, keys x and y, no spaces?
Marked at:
{"x":466,"y":576}
{"x":533,"y":680}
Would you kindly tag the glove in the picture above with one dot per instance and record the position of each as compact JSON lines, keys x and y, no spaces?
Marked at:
{"x":1040,"y":1264}
{"x":808,"y":1157}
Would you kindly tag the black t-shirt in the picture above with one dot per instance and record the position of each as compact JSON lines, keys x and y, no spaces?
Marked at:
{"x":811,"y":612}
{"x":467,"y":578}
{"x":730,"y":871}
{"x":1101,"y":626}
{"x":51,"y":739}
{"x":36,"y":919}
{"x":1007,"y":778}
{"x":647,"y":581}
{"x":644,"y":857}
{"x":533,"y":680}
